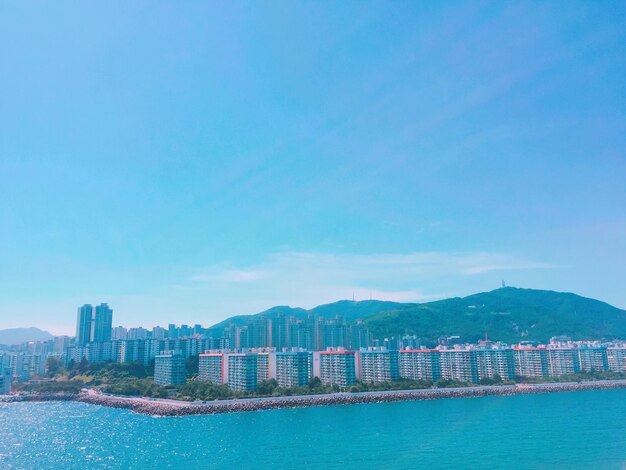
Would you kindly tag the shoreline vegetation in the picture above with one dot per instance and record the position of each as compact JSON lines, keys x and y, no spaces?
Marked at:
{"x":167,"y":407}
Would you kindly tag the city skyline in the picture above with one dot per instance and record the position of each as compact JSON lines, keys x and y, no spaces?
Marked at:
{"x":195,"y":163}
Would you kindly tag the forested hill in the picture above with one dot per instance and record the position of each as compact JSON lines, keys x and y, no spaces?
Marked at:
{"x":347,"y":309}
{"x":508,"y":314}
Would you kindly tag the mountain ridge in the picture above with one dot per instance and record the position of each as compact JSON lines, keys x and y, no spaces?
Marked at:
{"x":506,"y":314}
{"x":11,"y":336}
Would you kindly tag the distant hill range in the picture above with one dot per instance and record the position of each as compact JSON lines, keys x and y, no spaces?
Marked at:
{"x":508,"y":314}
{"x":12,"y":336}
{"x":347,"y":309}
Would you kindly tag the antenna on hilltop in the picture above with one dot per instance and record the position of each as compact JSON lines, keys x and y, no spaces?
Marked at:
{"x":503,"y":283}
{"x":352,"y":296}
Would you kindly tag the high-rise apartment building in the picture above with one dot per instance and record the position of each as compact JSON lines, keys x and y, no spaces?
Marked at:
{"x":377,"y":366}
{"x":83,"y":324}
{"x":242,"y":371}
{"x":293,"y":369}
{"x":458,"y":364}
{"x":337,"y":368}
{"x":93,"y":324}
{"x":212,"y":368}
{"x":616,"y":358}
{"x":263,"y":366}
{"x":492,"y":363}
{"x":102,"y":323}
{"x":593,"y":358}
{"x":419,"y":364}
{"x":169,"y":368}
{"x":562,"y":361}
{"x":5,"y":381}
{"x":530,"y":361}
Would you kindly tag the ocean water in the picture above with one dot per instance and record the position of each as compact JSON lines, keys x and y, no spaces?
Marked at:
{"x":559,"y":430}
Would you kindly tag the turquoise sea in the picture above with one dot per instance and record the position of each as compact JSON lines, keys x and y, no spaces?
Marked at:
{"x":559,"y":430}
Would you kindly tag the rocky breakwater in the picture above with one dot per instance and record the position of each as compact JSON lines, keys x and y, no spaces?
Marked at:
{"x":180,"y":408}
{"x":38,"y":396}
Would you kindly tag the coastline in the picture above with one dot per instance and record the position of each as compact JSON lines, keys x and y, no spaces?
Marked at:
{"x":171,"y":408}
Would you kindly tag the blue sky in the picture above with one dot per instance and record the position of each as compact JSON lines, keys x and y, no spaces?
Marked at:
{"x":190,"y":161}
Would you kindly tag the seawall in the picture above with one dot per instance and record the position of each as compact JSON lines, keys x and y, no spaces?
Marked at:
{"x":157,"y":407}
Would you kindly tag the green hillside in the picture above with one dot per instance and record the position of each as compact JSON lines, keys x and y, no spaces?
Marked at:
{"x":347,"y":309}
{"x":508,"y":314}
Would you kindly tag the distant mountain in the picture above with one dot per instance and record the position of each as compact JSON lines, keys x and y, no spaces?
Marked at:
{"x":508,"y":314}
{"x":23,"y":335}
{"x":347,"y":309}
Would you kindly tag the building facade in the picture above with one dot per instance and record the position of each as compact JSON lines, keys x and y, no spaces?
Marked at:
{"x":492,"y":363}
{"x":337,"y":368}
{"x":458,"y":364}
{"x":377,"y":366}
{"x":293,"y":369}
{"x":169,"y":369}
{"x":530,"y":362}
{"x":242,"y":371}
{"x":212,"y":368}
{"x":419,"y":364}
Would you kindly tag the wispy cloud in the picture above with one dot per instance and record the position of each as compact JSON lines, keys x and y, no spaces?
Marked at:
{"x":307,"y":279}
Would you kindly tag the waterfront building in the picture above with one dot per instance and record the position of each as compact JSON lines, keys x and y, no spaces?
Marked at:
{"x":492,"y":363}
{"x":616,"y":358}
{"x":337,"y":368}
{"x":562,"y":361}
{"x":242,"y":371}
{"x":169,"y":368}
{"x":293,"y":369}
{"x":377,"y":366}
{"x":5,"y":381}
{"x":458,"y":364}
{"x":530,"y":362}
{"x":263,"y":366}
{"x":593,"y":358}
{"x":212,"y":368}
{"x":33,"y":365}
{"x":419,"y":364}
